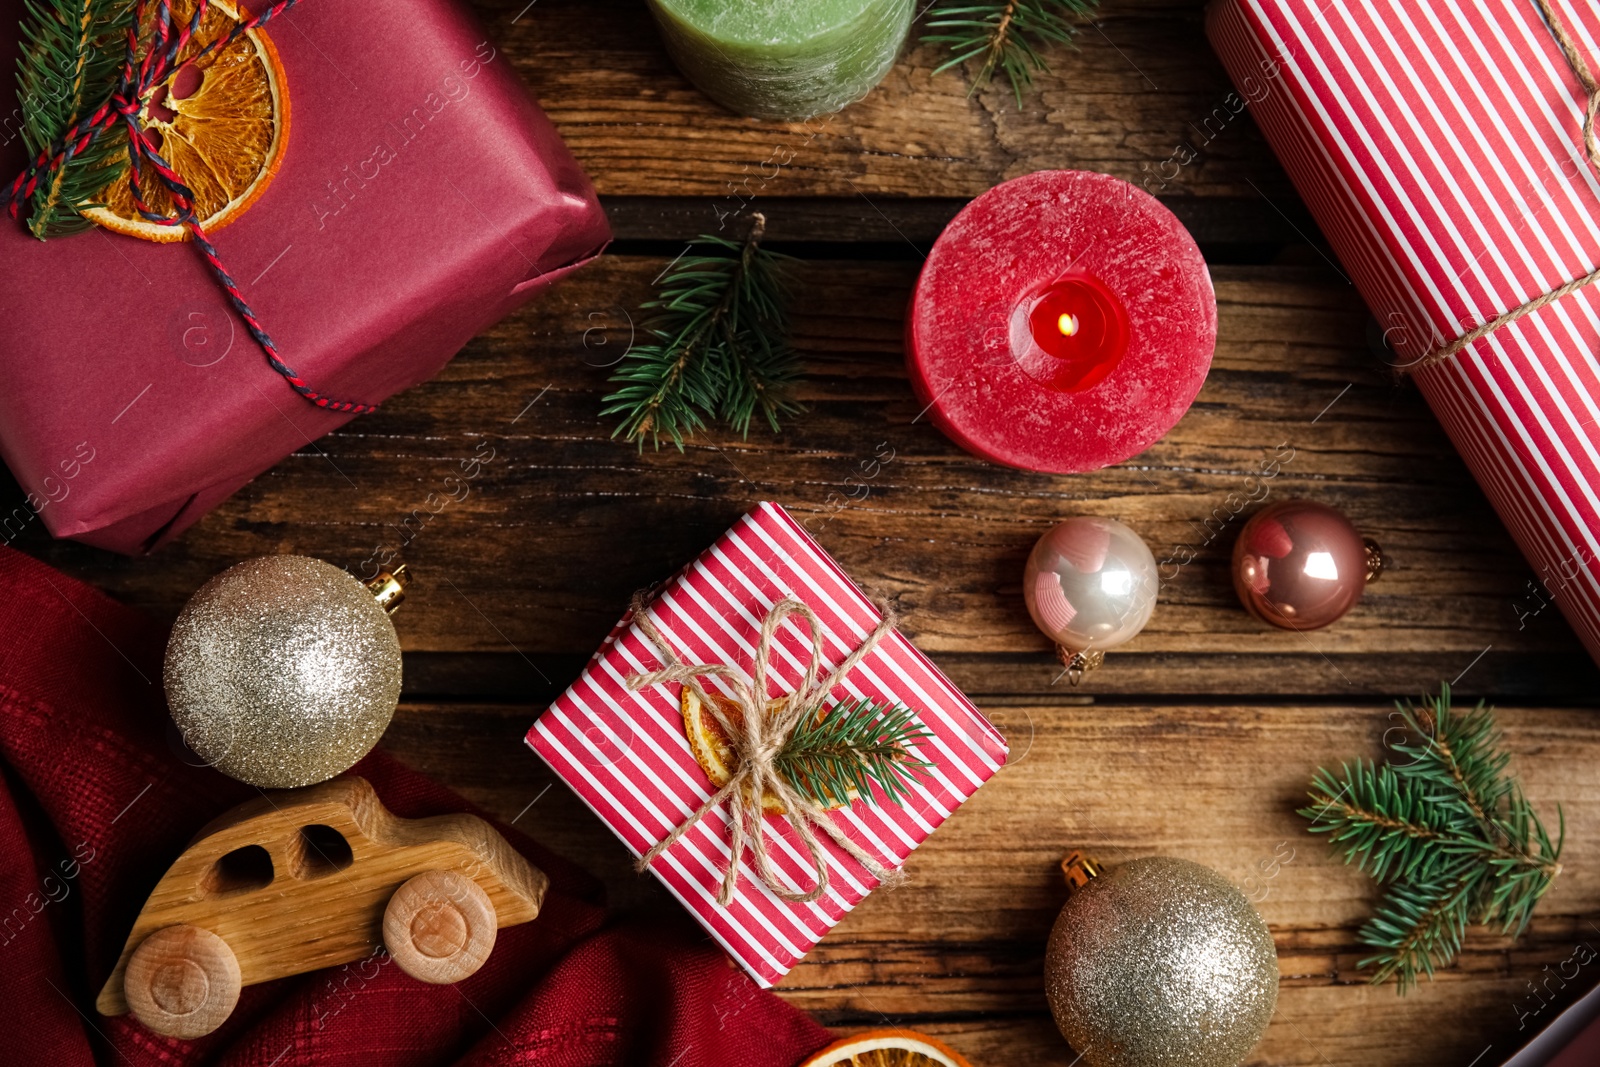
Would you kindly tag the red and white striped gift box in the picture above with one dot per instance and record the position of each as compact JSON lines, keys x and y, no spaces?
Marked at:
{"x":626,"y":755}
{"x":1439,"y":145}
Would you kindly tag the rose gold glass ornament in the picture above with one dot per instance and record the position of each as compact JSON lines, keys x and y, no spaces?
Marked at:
{"x":1090,"y":585}
{"x":1301,"y":565}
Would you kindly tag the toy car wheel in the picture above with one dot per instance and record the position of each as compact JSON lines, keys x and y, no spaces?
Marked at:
{"x":440,"y":926}
{"x":182,"y":981}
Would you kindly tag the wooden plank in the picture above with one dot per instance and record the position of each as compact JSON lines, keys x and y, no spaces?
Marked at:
{"x":1568,"y":677}
{"x":958,"y":949}
{"x":1139,"y":95}
{"x":1229,"y":229}
{"x":542,"y":550}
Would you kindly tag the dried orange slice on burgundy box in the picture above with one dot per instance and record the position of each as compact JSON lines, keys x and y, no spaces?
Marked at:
{"x":380,"y":187}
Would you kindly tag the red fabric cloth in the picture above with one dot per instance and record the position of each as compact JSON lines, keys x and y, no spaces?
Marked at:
{"x":97,"y":800}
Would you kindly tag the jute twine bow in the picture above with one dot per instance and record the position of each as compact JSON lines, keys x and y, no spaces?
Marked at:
{"x":1586,"y":79}
{"x":756,"y":733}
{"x":146,"y":66}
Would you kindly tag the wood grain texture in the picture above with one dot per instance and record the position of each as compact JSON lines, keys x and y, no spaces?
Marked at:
{"x":527,"y":529}
{"x":182,"y":981}
{"x":958,"y":950}
{"x":440,"y":926}
{"x":1229,"y":228}
{"x":1139,"y":90}
{"x":287,"y":900}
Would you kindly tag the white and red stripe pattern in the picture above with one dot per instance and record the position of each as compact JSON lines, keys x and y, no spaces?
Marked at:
{"x":1439,"y":145}
{"x":626,"y":755}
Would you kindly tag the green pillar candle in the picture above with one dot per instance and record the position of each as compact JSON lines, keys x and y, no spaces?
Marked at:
{"x":784,"y":59}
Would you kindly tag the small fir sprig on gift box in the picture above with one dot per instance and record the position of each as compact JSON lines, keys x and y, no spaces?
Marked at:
{"x":71,"y":52}
{"x":719,"y":346}
{"x":1008,"y":35}
{"x":850,"y":749}
{"x":1447,"y":833}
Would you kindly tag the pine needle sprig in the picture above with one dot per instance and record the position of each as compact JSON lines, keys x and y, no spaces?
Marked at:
{"x":71,"y":52}
{"x":852,"y":749}
{"x":1419,"y":925}
{"x":1448,"y":834}
{"x":1007,"y":34}
{"x":1376,"y":819}
{"x":719,"y":347}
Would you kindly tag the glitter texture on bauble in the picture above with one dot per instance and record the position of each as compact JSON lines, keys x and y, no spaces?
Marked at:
{"x":1161,"y":962}
{"x":282,"y":671}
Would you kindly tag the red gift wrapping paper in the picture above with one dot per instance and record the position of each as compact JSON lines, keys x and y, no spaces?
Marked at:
{"x":421,"y":197}
{"x":1438,"y":144}
{"x":626,"y":755}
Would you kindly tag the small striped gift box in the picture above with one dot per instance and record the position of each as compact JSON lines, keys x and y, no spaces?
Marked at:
{"x":1439,"y":144}
{"x":626,"y":754}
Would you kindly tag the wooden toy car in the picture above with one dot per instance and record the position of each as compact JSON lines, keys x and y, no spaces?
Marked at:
{"x":309,"y":878}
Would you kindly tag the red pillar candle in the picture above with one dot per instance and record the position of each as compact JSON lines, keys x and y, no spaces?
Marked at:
{"x":1063,"y":322}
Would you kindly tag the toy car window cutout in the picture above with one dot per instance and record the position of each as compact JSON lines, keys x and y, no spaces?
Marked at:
{"x":240,"y":871}
{"x":319,"y":850}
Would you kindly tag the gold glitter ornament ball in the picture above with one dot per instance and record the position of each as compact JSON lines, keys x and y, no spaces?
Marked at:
{"x":1161,"y":962}
{"x":282,"y":671}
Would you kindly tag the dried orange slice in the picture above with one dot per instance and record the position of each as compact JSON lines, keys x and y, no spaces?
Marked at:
{"x":709,"y":743}
{"x":888,"y":1048}
{"x":224,"y":134}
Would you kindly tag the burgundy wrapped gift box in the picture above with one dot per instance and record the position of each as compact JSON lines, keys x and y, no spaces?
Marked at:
{"x":422,"y":196}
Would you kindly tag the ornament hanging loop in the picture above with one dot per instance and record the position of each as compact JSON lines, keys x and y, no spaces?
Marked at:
{"x":390,"y":587}
{"x":1079,"y":868}
{"x":1079,"y":663}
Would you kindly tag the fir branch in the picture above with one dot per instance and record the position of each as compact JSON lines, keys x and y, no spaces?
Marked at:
{"x":719,"y":347}
{"x":1420,"y":925}
{"x":1449,"y":834}
{"x":1457,"y":759}
{"x":1377,"y":819}
{"x":850,"y":749}
{"x":71,"y":53}
{"x":1007,"y":34}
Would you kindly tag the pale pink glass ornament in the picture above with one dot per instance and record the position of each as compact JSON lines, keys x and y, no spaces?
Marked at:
{"x":1090,"y":585}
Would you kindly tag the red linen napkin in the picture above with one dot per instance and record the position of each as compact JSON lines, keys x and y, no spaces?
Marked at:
{"x":96,"y":802}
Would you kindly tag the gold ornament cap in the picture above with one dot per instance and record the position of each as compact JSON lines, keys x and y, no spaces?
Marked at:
{"x":390,"y":588}
{"x":1079,"y":868}
{"x":1079,"y":663}
{"x":1376,"y":561}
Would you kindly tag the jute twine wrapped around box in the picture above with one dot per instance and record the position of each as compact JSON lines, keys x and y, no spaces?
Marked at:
{"x":1586,"y":79}
{"x":756,"y":734}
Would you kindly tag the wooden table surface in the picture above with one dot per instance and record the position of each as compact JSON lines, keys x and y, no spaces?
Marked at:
{"x":1198,"y":740}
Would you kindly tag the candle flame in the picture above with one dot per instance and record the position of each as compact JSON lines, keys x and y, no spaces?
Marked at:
{"x":1067,"y":324}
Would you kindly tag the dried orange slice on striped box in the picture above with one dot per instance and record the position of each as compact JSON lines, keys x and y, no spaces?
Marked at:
{"x":222,"y":123}
{"x":888,"y":1048}
{"x":709,"y":743}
